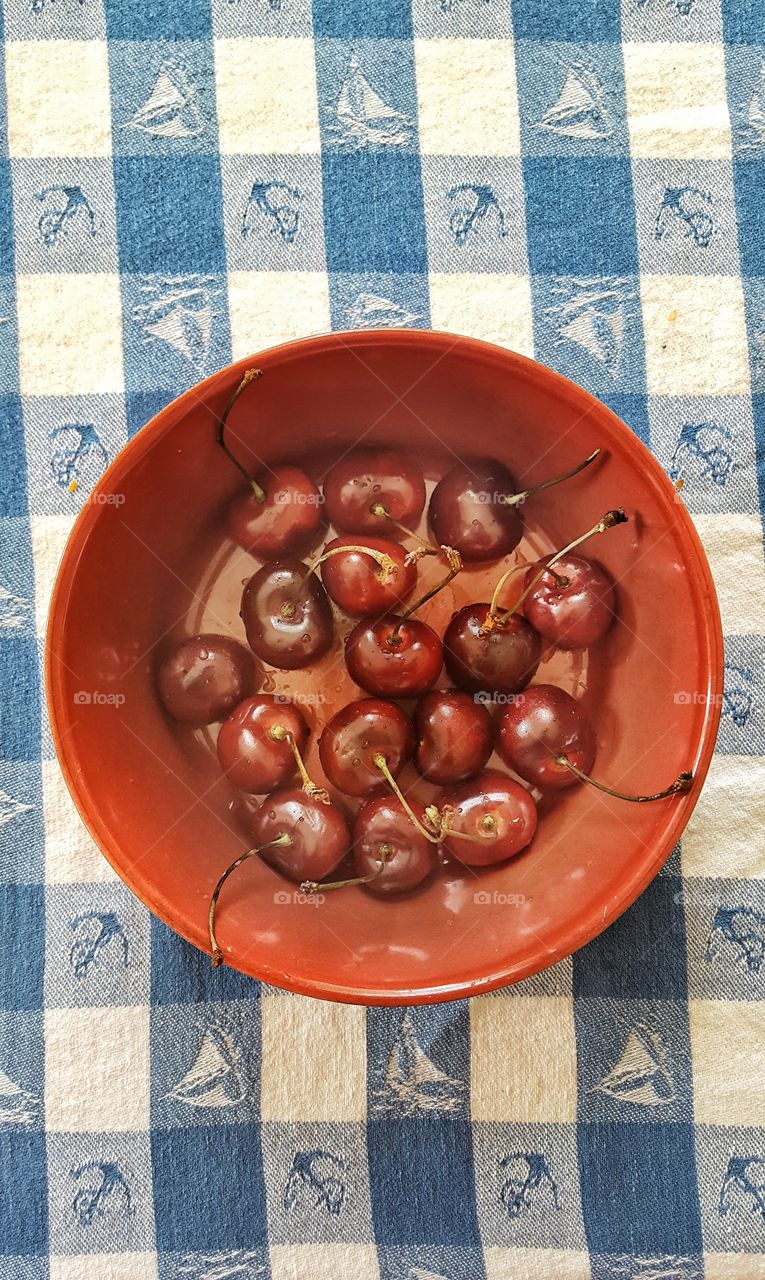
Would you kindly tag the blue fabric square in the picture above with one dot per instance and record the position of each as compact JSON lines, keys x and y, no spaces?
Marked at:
{"x":557,"y":192}
{"x":163,"y":97}
{"x":96,"y":947}
{"x":632,"y":409}
{"x":100,"y":1198}
{"x":639,"y":1191}
{"x":229,"y":1211}
{"x":616,"y":962}
{"x":749,"y":182}
{"x":175,"y":330}
{"x":589,"y":328}
{"x":141,"y":407}
{"x":169,"y":214}
{"x":565,"y":20}
{"x":742,"y":726}
{"x":431,"y":1260}
{"x":421,"y":1181}
{"x":64,"y":215}
{"x":181,"y":974}
{"x":156,"y":20}
{"x":373,"y":212}
{"x":367,"y":94}
{"x":22,"y":834}
{"x":22,"y":911}
{"x":401,"y":1045}
{"x":13,"y":480}
{"x":6,"y":219}
{"x":24,"y":1202}
{"x":743,"y":21}
{"x":205,"y":1064}
{"x":20,"y":717}
{"x":22,"y":1062}
{"x":346,"y":19}
{"x":571,"y":99}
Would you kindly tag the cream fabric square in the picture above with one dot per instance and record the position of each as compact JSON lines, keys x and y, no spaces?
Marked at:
{"x":105,"y":1266}
{"x":71,"y":855}
{"x":496,"y":308}
{"x":324,"y":1262}
{"x":96,"y":1069}
{"x":59,"y":100}
{"x":314,"y":1060}
{"x":725,"y":837}
{"x":695,"y":335}
{"x":533,"y":1264}
{"x":467,"y":98}
{"x":267,"y":97}
{"x":272,"y":306}
{"x":728,"y":1052}
{"x":677,"y":102}
{"x":513,"y":1075}
{"x":70,"y":334}
{"x":734,"y":546}
{"x":734,"y":1266}
{"x":49,"y":536}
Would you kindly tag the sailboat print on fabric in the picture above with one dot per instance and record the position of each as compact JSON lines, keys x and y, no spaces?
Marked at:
{"x":10,"y":808}
{"x":751,"y":135}
{"x":179,"y":312}
{"x":14,"y":616}
{"x":593,"y":317}
{"x":370,"y":311}
{"x":641,"y":1074}
{"x":363,"y":118}
{"x":17,"y":1106}
{"x":215,"y":1077}
{"x":579,"y":110}
{"x":413,"y":1083}
{"x":171,"y":110}
{"x":667,"y":1267}
{"x":238,"y":1264}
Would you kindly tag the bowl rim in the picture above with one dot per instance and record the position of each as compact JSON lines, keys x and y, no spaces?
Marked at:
{"x":586,"y":927}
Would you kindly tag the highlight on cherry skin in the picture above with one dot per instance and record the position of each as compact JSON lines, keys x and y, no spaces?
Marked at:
{"x":252,"y":756}
{"x":454,"y":736}
{"x":375,"y":491}
{"x":202,"y":678}
{"x":353,"y":739}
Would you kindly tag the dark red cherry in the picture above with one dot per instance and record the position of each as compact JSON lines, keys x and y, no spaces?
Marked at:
{"x":384,"y":479}
{"x":202,"y":678}
{"x":454,"y":736}
{"x":361,"y":586}
{"x":392,"y":660}
{"x":501,"y":661}
{"x":288,"y":518}
{"x":384,"y":833}
{"x":249,"y":756}
{"x":537,"y":726}
{"x":497,"y":813}
{"x":286,"y":615}
{"x":572,"y":605}
{"x":467,"y":510}
{"x":316,"y":834}
{"x":354,"y":736}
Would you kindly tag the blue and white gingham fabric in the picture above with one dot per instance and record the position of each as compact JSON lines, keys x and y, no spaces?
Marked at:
{"x":187,"y":182}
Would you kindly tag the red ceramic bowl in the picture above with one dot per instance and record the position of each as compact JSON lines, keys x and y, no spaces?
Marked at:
{"x":148,"y":561}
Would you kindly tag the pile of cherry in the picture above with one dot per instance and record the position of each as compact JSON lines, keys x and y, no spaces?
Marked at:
{"x":374,"y":498}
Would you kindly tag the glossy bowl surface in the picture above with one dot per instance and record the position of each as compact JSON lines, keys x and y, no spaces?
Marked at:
{"x":148,"y":561}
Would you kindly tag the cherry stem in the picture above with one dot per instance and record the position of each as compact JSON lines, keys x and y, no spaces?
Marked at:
{"x":280,"y":734}
{"x":516,"y":498}
{"x":608,"y":521}
{"x":387,"y":565}
{"x":312,"y":887}
{"x":281,"y":841}
{"x":377,"y":509}
{"x":250,"y":376}
{"x":682,"y":783}
{"x":455,"y":561}
{"x":382,"y":764}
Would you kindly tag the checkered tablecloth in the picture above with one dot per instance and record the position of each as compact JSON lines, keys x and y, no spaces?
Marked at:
{"x":188,"y":181}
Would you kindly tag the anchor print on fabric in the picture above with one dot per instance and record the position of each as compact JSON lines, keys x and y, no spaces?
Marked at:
{"x":315,"y":1179}
{"x":686,"y":209}
{"x":641,"y":1075}
{"x":469,"y":216}
{"x":239,"y":1264}
{"x":740,"y":930}
{"x":77,"y":446}
{"x":15,"y":612}
{"x":528,"y":1181}
{"x":592,"y":315}
{"x":178,"y":311}
{"x":706,"y":443}
{"x":215,"y":1077}
{"x":580,"y":109}
{"x":170,"y":110}
{"x":371,"y":311}
{"x":361,"y":118}
{"x":66,"y":208}
{"x":10,"y":808}
{"x":103,"y":1192}
{"x":95,"y":932}
{"x":414,"y":1085}
{"x":17,"y":1105}
{"x":743,"y":1187}
{"x":751,"y":131}
{"x":273,"y":204}
{"x":738,"y":698}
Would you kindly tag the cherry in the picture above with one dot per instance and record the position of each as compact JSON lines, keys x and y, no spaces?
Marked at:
{"x":374,"y":491}
{"x":475,"y":507}
{"x":545,"y":734}
{"x":286,"y":615}
{"x":360,"y":586}
{"x":393,"y":657}
{"x":202,"y":678}
{"x":281,"y":509}
{"x":390,"y":854}
{"x":362,"y":731}
{"x":250,"y":754}
{"x":454,"y":736}
{"x":501,"y":658}
{"x":572,"y":605}
{"x":497,"y":815}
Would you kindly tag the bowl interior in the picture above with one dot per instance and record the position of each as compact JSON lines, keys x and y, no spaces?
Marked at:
{"x":149,"y":562}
